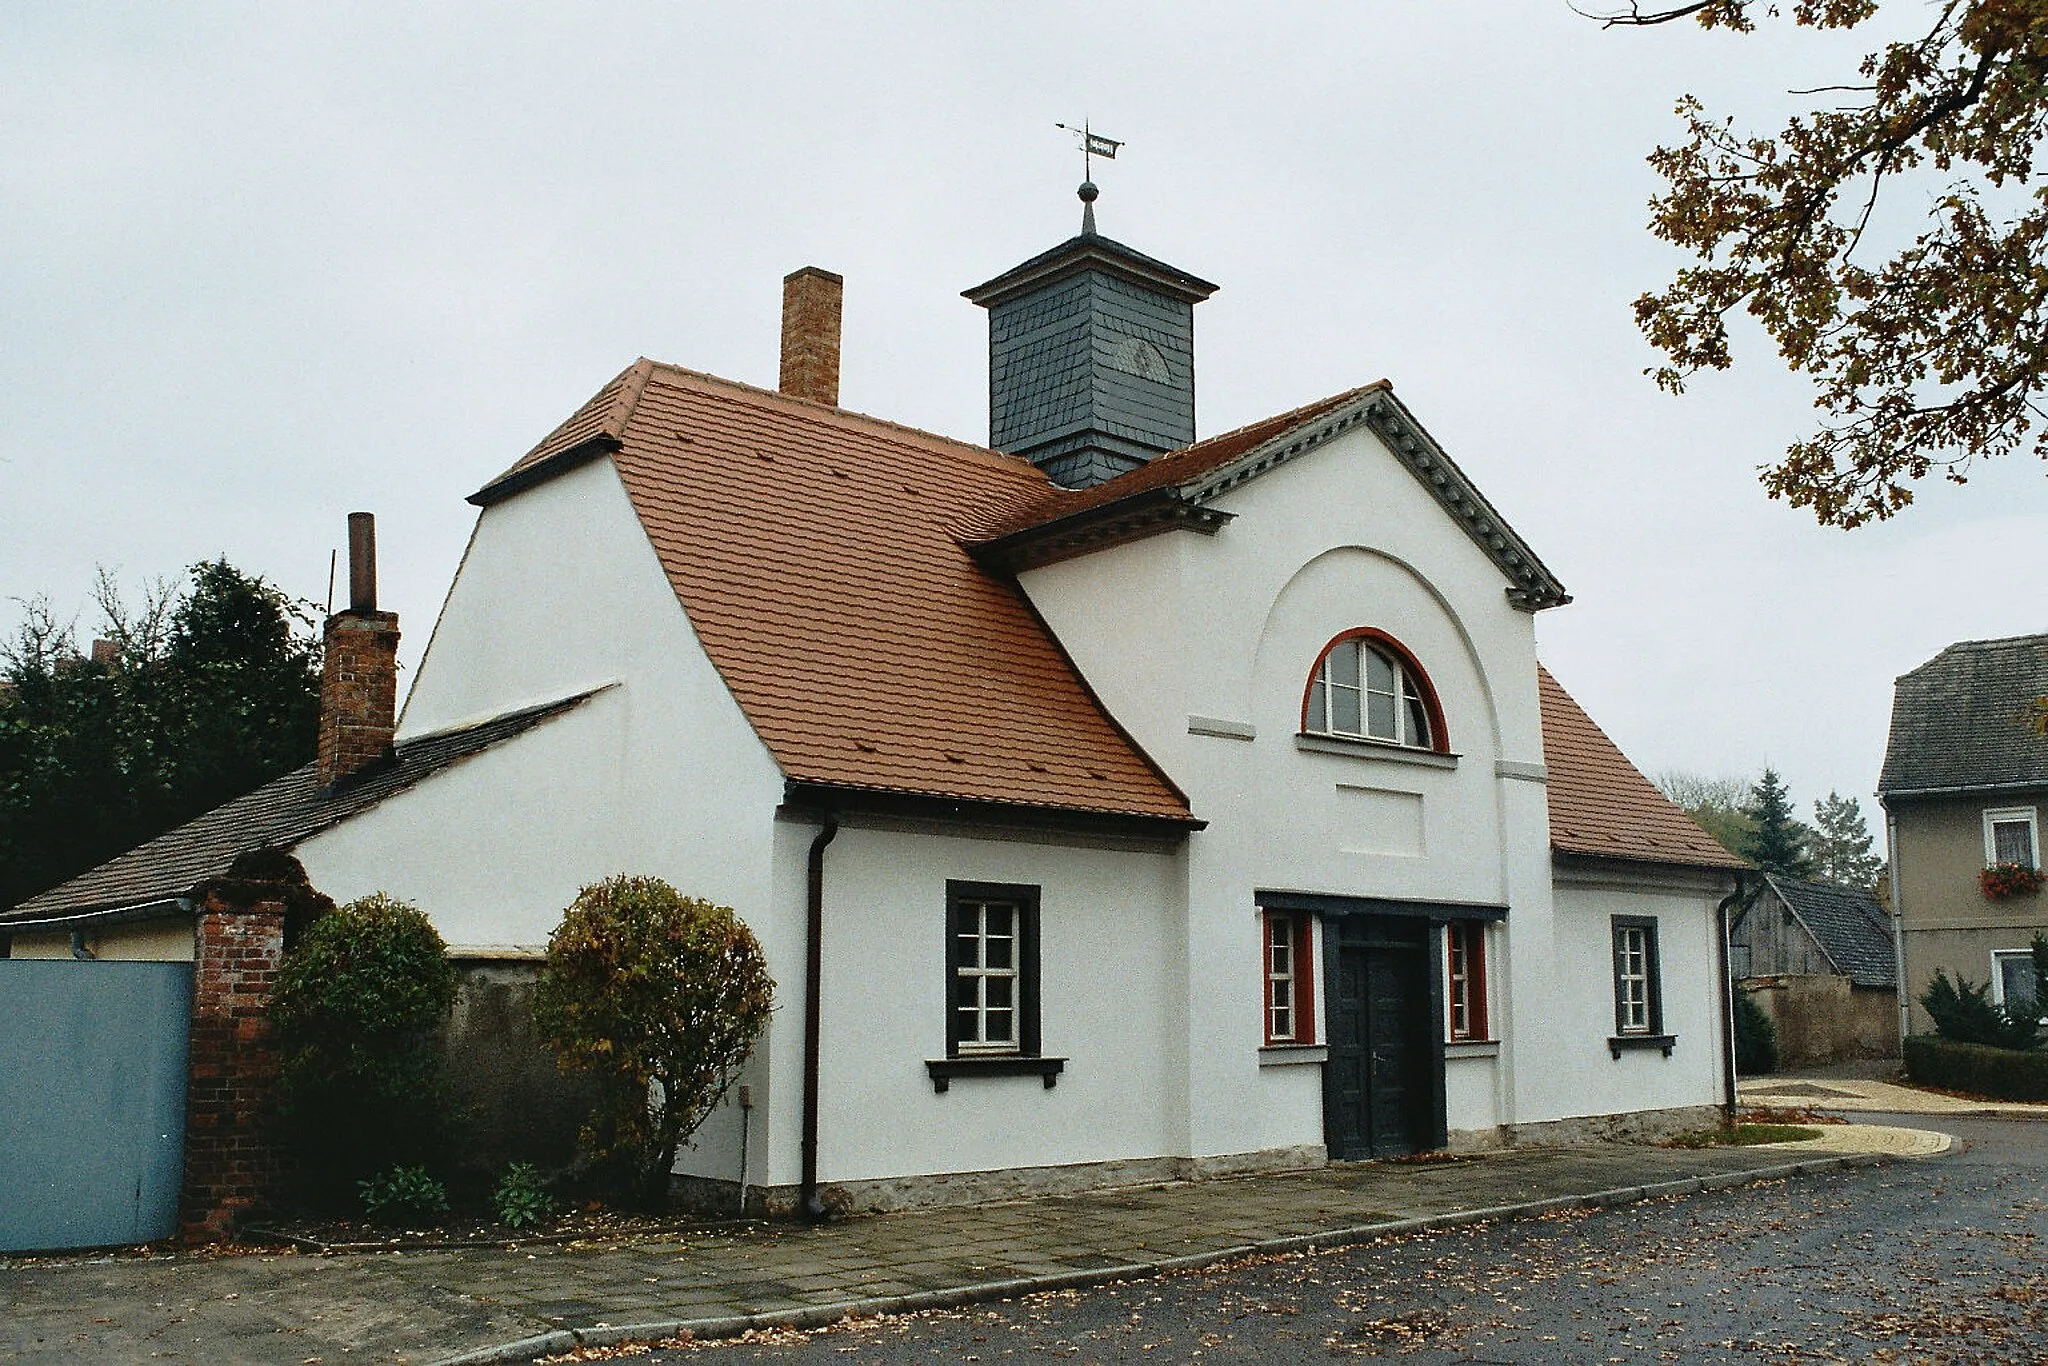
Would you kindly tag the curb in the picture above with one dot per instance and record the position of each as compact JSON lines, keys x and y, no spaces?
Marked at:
{"x":820,"y":1316}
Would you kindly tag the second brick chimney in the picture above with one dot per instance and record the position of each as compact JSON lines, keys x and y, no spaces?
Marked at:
{"x":810,"y":334}
{"x":359,"y":667}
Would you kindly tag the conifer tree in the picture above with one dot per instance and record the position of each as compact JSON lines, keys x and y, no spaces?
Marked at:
{"x":1778,"y":843}
{"x":1840,"y":844}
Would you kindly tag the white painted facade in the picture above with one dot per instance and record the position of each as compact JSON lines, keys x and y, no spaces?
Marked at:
{"x":1201,"y":646}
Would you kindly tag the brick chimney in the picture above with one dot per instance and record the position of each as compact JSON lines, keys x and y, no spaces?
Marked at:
{"x":359,"y":667}
{"x":810,"y":334}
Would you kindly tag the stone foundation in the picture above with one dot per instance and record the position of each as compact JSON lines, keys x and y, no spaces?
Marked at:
{"x":882,"y":1195}
{"x":1638,"y":1126}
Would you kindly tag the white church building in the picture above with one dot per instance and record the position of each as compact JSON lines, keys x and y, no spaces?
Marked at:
{"x":1110,"y":804}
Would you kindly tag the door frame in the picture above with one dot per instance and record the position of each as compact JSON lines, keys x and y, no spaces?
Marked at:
{"x":1343,"y":917}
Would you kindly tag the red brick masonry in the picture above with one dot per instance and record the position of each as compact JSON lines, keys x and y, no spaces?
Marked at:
{"x":358,"y":692}
{"x":233,"y":1062}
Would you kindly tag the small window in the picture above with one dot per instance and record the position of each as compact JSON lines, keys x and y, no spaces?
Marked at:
{"x":1367,"y":688}
{"x":1290,"y":978}
{"x":1638,"y":1008}
{"x":2010,"y":837}
{"x":2012,"y":981}
{"x":991,"y":970}
{"x":1465,"y":985}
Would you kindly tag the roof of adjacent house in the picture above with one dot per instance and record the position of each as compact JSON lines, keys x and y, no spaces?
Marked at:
{"x":281,"y":814}
{"x":1847,"y":923}
{"x":1961,"y":720}
{"x":1601,"y":806}
{"x":820,"y":557}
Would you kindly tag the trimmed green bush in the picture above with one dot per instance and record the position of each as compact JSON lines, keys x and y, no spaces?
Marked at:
{"x":660,"y":997}
{"x":1979,"y":1069}
{"x":1756,"y":1038}
{"x":1963,"y":1011}
{"x":355,"y":1008}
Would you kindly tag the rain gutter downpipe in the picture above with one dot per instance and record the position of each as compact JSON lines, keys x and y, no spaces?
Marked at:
{"x":1727,"y":1004}
{"x":808,"y":1202}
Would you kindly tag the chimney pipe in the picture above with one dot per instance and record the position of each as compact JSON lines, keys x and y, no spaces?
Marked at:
{"x":358,"y":668}
{"x":810,"y":334}
{"x":362,"y":562}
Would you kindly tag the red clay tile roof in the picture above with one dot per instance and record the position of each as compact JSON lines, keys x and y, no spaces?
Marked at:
{"x":819,"y":556}
{"x":1172,"y":469}
{"x":1601,"y":805}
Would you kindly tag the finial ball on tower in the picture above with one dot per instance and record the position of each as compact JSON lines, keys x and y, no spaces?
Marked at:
{"x":1088,"y":192}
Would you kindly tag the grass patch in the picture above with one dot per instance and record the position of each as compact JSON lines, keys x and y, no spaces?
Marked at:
{"x":1744,"y":1136}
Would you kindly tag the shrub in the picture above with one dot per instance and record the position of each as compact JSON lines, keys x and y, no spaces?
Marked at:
{"x":1963,"y":1011}
{"x":1977,"y":1069}
{"x":660,"y":996}
{"x":1756,"y":1038}
{"x":521,"y":1199}
{"x":355,"y":1007}
{"x":403,"y":1195}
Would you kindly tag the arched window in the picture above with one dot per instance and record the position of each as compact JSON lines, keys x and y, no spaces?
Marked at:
{"x":1367,"y":687}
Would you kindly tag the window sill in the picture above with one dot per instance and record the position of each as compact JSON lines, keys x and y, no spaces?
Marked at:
{"x":1633,"y":1042}
{"x":1293,"y":1054}
{"x":1374,"y":749}
{"x":943,"y":1070}
{"x":1472,"y":1048}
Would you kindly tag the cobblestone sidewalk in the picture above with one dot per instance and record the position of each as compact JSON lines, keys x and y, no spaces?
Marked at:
{"x":512,"y":1304}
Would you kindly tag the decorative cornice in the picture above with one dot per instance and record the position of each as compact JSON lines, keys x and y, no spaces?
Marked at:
{"x":1097,"y":528}
{"x":1531,"y":586}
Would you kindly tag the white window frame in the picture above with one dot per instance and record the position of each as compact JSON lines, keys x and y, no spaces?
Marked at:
{"x":1410,"y":697}
{"x":1635,"y":991}
{"x":1283,"y":971}
{"x":975,"y":968}
{"x":1998,"y":977}
{"x":1467,"y":991}
{"x":2011,"y":815}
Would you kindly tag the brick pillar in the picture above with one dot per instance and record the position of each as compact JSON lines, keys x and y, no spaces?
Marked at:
{"x":358,"y":691}
{"x":810,"y":334}
{"x":232,"y":1061}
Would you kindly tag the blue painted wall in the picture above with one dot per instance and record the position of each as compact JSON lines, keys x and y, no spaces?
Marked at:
{"x":92,"y":1101}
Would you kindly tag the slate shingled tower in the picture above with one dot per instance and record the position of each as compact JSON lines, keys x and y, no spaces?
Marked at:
{"x":1091,"y":367}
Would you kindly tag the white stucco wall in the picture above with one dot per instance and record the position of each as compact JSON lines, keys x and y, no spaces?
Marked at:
{"x":1110,"y":950}
{"x":658,"y":774}
{"x":1179,"y":631}
{"x":1578,"y":1075}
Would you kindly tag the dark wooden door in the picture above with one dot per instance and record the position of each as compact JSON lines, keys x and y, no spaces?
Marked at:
{"x":1381,"y":1084}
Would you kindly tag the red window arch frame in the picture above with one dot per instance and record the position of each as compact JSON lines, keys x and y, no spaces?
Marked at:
{"x":1439,"y":735}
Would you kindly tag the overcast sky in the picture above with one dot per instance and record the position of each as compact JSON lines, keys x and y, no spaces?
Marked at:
{"x":261,"y":265}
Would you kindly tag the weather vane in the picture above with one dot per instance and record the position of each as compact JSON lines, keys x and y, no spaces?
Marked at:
{"x":1093,"y":145}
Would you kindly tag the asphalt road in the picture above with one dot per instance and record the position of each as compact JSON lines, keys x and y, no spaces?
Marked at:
{"x":1943,"y":1260}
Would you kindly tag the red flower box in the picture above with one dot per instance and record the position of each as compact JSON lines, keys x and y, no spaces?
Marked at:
{"x":2002,"y":880}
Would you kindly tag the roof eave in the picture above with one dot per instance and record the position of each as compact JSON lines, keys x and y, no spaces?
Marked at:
{"x":1089,"y":251}
{"x":1143,"y":514}
{"x":811,"y":799}
{"x":546,"y":468}
{"x":1593,"y":858}
{"x":156,"y":908}
{"x":1959,"y":789}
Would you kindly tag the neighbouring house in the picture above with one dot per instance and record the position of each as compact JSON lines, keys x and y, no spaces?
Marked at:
{"x":1965,"y":779}
{"x":1820,"y":960}
{"x":1110,"y":804}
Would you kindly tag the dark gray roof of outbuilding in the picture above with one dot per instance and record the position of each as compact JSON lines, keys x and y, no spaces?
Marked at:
{"x":1848,"y":924}
{"x":1961,"y":719}
{"x":278,"y":815}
